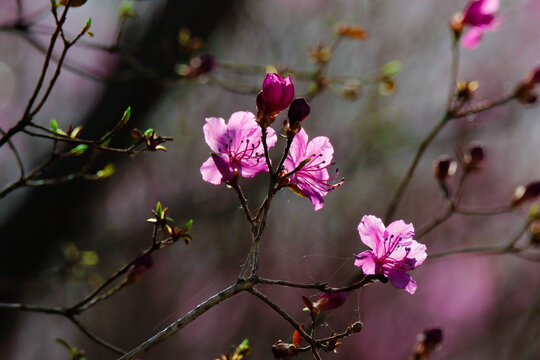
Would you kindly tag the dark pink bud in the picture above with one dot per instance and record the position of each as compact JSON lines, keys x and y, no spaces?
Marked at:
{"x":223,"y":167}
{"x":534,"y":76}
{"x":328,"y":301}
{"x":276,"y":95}
{"x":525,"y":193}
{"x":298,"y":111}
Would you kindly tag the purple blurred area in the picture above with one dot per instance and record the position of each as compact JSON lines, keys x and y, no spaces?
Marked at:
{"x":487,"y":306}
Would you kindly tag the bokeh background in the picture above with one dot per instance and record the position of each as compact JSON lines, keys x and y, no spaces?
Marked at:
{"x":487,"y":306}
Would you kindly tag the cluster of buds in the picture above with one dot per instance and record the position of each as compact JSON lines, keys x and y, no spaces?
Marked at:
{"x":525,"y":91}
{"x":175,"y":232}
{"x":428,"y":342}
{"x":466,"y":90}
{"x":151,"y":139}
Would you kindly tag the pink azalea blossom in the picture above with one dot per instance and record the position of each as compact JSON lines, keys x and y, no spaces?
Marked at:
{"x":237,"y":147}
{"x":393,"y":251}
{"x":312,"y":180}
{"x":276,"y":94}
{"x":328,"y":301}
{"x":480,"y":16}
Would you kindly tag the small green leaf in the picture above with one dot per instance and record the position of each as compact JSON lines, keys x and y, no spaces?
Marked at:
{"x":89,"y":258}
{"x":88,"y":23}
{"x":79,"y":149}
{"x":107,"y":171}
{"x":533,"y":213}
{"x":391,"y":68}
{"x":159,"y":210}
{"x":189,"y":224}
{"x":149,"y":132}
{"x":243,"y":348}
{"x":126,"y":116}
{"x":54,"y":125}
{"x":126,"y":10}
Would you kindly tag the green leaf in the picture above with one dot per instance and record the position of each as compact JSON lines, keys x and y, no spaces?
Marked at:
{"x":54,"y":125}
{"x":107,"y":171}
{"x":89,"y":258}
{"x":149,"y":132}
{"x":391,"y":68}
{"x":88,"y":23}
{"x":243,"y":348}
{"x":189,"y":224}
{"x":79,"y":149}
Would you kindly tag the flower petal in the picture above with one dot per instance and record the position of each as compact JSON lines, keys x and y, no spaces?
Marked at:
{"x":215,"y":134}
{"x":367,"y":261}
{"x":321,"y":147}
{"x":401,"y":280}
{"x":242,"y":126}
{"x":371,"y":230}
{"x":210,"y":172}
{"x":297,"y":152}
{"x":400,"y":229}
{"x":471,"y":40}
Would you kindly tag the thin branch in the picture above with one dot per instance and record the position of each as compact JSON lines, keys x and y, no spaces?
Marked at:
{"x":289,"y":319}
{"x":94,"y":337}
{"x":243,"y":201}
{"x":33,"y":308}
{"x":487,"y":105}
{"x":189,"y":317}
{"x":16,"y":154}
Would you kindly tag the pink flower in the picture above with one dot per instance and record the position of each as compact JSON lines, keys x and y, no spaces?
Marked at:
{"x":237,"y":147}
{"x":276,"y":94}
{"x":480,"y":16}
{"x":312,"y":179}
{"x":393,"y":251}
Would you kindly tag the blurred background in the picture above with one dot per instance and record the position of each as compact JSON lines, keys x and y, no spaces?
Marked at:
{"x":59,"y":242}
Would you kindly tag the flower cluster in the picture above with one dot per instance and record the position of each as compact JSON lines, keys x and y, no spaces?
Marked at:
{"x":238,"y":149}
{"x":393,"y":251}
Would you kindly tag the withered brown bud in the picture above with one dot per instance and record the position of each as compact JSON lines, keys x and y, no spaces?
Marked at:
{"x":444,"y":167}
{"x":428,"y":342}
{"x":456,"y":25}
{"x":474,"y":156}
{"x":525,"y":93}
{"x":526,"y":193}
{"x":283,"y":350}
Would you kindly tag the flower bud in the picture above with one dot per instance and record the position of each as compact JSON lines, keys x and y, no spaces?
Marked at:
{"x":328,"y":301}
{"x":298,"y":111}
{"x":283,"y":350}
{"x":525,"y":193}
{"x":74,"y":3}
{"x":456,"y":25}
{"x":444,"y":168}
{"x":466,"y":90}
{"x":427,"y":343}
{"x":474,"y":156}
{"x":140,"y":266}
{"x":275,"y":96}
{"x":350,"y":31}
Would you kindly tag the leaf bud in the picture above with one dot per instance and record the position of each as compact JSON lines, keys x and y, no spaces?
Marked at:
{"x":526,"y":193}
{"x":474,"y":156}
{"x":283,"y":350}
{"x":444,"y":167}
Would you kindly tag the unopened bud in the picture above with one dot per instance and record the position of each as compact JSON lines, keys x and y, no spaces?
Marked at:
{"x":456,"y":25}
{"x":444,"y":167}
{"x":283,"y":350}
{"x":526,"y":193}
{"x":356,"y":327}
{"x":328,"y":301}
{"x":298,"y":111}
{"x":474,"y":156}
